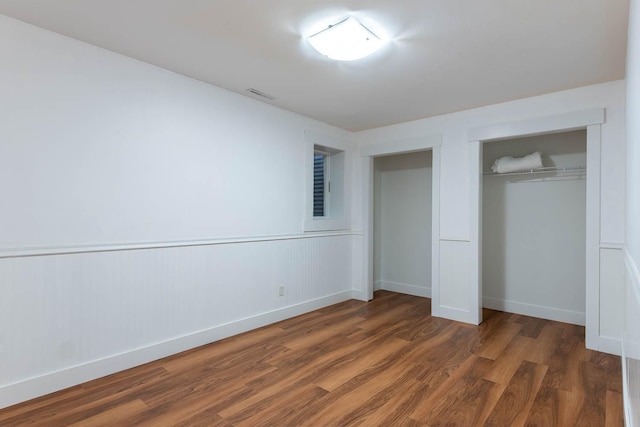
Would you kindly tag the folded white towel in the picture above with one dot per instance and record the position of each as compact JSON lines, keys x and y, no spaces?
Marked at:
{"x":511,"y":164}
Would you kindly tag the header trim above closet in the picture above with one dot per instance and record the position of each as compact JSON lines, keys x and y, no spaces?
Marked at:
{"x":539,"y":125}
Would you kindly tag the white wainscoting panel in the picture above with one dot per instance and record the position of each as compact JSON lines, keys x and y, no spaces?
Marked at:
{"x":455,"y":281}
{"x":74,"y":317}
{"x":631,"y":343}
{"x":360,"y":289}
{"x":611,"y":293}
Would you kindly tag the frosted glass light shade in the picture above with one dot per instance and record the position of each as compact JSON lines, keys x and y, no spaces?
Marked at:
{"x":347,"y":40}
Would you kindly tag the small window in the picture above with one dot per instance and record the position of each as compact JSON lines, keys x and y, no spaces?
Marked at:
{"x":326,"y":187}
{"x":321,"y":186}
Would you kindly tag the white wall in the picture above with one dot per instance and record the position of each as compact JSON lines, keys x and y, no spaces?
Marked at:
{"x":98,"y":149}
{"x":455,"y":200}
{"x":121,"y":151}
{"x":533,"y":236}
{"x":631,"y":342}
{"x":402,"y":223}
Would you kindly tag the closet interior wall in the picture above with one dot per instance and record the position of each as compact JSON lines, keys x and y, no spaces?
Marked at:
{"x":533,"y":230}
{"x":402,"y":223}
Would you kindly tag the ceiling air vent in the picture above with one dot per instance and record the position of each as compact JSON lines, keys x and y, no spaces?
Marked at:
{"x":260,"y":94}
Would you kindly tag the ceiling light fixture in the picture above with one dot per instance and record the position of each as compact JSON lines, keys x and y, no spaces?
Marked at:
{"x":346,"y":40}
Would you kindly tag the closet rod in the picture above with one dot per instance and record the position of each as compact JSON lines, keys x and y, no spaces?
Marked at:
{"x":563,"y":170}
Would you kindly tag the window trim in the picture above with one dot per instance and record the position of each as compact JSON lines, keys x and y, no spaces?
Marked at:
{"x":332,"y":220}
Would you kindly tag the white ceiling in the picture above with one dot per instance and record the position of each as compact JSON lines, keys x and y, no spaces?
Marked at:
{"x":443,"y":55}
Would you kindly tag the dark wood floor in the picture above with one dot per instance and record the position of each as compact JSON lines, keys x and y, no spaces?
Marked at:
{"x":386,"y":362}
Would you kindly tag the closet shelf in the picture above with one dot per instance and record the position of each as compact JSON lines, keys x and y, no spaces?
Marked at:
{"x":576,"y":170}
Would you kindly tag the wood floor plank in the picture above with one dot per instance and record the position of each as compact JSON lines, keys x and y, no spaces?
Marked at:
{"x":494,"y":345}
{"x":381,"y":363}
{"x":532,"y":326}
{"x":305,"y":367}
{"x":551,"y":406}
{"x":510,"y":360}
{"x":422,"y":328}
{"x":42,"y":407}
{"x":206,"y":418}
{"x":332,"y":379}
{"x":593,"y":411}
{"x":282,"y":408}
{"x":369,"y":395}
{"x":210,"y":395}
{"x":65,"y":408}
{"x":389,"y":316}
{"x":399,"y":405}
{"x":441,"y":361}
{"x":569,"y":405}
{"x":202,"y":380}
{"x":113,"y":416}
{"x":311,"y":337}
{"x":468,"y":395}
{"x":430,"y":340}
{"x":513,"y":407}
{"x":271,"y":390}
{"x":572,"y":379}
{"x":614,"y":412}
{"x":317,"y":412}
{"x":465,"y":374}
{"x":110,"y":404}
{"x":611,"y":365}
{"x":462,"y":407}
{"x":543,"y":347}
{"x":491,"y":400}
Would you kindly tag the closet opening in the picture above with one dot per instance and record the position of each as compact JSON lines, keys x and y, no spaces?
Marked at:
{"x":402,"y":223}
{"x":588,"y":121}
{"x":533,"y":225}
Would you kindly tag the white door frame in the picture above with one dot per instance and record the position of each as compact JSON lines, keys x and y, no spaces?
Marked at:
{"x":368,"y":153}
{"x":591,"y":120}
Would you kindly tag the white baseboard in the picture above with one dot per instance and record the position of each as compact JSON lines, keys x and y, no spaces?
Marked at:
{"x":377,"y":285}
{"x":12,"y":394}
{"x":457,"y":314}
{"x":404,"y":288}
{"x":566,"y":316}
{"x":608,"y":345}
{"x":360,"y":295}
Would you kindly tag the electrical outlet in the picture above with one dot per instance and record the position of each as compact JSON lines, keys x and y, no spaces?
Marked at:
{"x":281,"y":291}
